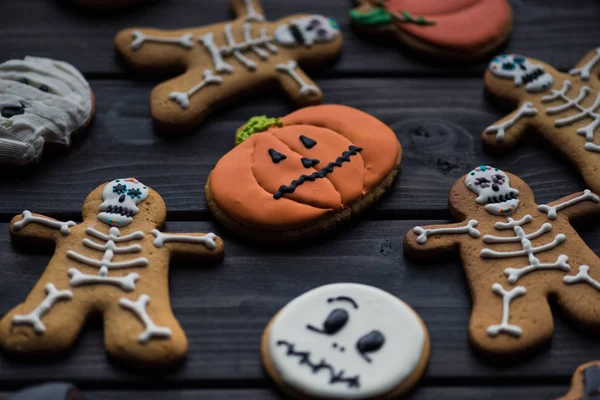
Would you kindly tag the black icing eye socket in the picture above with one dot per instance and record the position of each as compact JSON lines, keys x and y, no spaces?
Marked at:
{"x":508,"y":66}
{"x":276,"y":156}
{"x":335,"y":321}
{"x":11,"y":111}
{"x":44,"y":88}
{"x":307,"y":142}
{"x":370,"y":343}
{"x":322,"y":32}
{"x":24,"y":81}
{"x":519,"y":60}
{"x":119,"y":189}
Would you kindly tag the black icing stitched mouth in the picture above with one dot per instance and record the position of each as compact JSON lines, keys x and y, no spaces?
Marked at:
{"x":502,"y":198}
{"x":533,"y":75}
{"x":352,"y":382}
{"x":119,"y":210}
{"x":322,"y":173}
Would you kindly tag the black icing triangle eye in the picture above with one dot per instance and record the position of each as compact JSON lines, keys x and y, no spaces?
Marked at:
{"x":369,"y":343}
{"x":334,"y":322}
{"x":276,"y":156}
{"x":8,"y":112}
{"x":307,"y":142}
{"x":309,"y":162}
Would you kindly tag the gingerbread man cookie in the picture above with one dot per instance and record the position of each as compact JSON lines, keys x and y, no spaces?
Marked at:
{"x":515,"y":254}
{"x":304,"y":173}
{"x":437,"y":27}
{"x":114,"y":263}
{"x":42,"y":101}
{"x":225,"y":61}
{"x":562,"y":108}
{"x":585,"y":384}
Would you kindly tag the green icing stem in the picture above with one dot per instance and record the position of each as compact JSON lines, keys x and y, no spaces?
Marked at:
{"x":380,"y":16}
{"x":255,"y":125}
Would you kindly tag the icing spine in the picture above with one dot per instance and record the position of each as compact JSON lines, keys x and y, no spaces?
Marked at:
{"x":256,"y":125}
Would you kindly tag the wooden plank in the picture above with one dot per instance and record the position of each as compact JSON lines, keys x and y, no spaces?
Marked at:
{"x":425,"y":393}
{"x":438,"y":122}
{"x":553,"y":30}
{"x":225,"y":308}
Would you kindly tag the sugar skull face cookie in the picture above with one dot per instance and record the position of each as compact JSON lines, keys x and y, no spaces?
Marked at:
{"x":346,"y":341}
{"x":492,"y":187}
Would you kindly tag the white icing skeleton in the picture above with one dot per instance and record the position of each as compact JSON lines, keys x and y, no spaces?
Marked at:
{"x":516,"y":242}
{"x":101,"y":257}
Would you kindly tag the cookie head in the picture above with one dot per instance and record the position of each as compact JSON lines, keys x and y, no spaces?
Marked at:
{"x":306,"y":31}
{"x":492,"y":187}
{"x":345,"y":341}
{"x":522,"y":71}
{"x":120,"y":201}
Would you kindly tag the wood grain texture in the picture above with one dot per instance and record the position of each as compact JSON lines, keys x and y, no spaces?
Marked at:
{"x":225,"y":307}
{"x":438,"y":122}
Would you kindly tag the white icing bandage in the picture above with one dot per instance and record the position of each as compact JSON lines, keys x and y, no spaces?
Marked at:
{"x":126,"y":283}
{"x":251,"y":13}
{"x":585,"y":71}
{"x":151,"y":331}
{"x":136,"y":262}
{"x":425,"y":233}
{"x":552,"y":211}
{"x":514,"y":274}
{"x":290,"y":68}
{"x":507,"y":298}
{"x":183,"y":98}
{"x":139,"y":38}
{"x":207,"y":240}
{"x":582,"y":276}
{"x":28,"y":218}
{"x":585,"y":112}
{"x":526,"y":110}
{"x":34,"y":317}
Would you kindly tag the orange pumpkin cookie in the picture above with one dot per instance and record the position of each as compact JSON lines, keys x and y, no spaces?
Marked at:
{"x":304,"y":173}
{"x":437,"y":27}
{"x":585,"y":383}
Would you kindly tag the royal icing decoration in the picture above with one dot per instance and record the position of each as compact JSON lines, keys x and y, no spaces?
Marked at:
{"x":585,"y":70}
{"x":526,"y":110}
{"x":582,"y":276}
{"x":493,"y":187}
{"x":552,"y":211}
{"x":468,"y":228}
{"x":507,"y":298}
{"x":41,"y":100}
{"x":53,"y":296}
{"x":346,"y":340}
{"x":28,"y":218}
{"x":207,"y":240}
{"x":183,"y":98}
{"x":139,"y":38}
{"x":151,"y":331}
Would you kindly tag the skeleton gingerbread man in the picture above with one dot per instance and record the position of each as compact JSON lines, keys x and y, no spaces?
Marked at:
{"x":225,"y":61}
{"x":562,"y":108}
{"x":114,"y":263}
{"x":515,"y":254}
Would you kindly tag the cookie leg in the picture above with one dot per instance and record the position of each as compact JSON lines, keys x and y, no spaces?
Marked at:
{"x":142,"y":330}
{"x":48,"y":322}
{"x":580,"y":293}
{"x":508,"y":320}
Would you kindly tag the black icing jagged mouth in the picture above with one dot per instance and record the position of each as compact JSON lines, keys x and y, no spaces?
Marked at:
{"x":120,"y":210}
{"x":533,"y":75}
{"x":502,"y":198}
{"x":322,"y":173}
{"x":304,"y":356}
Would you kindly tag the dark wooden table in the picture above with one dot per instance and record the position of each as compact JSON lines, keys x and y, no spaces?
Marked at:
{"x":437,"y":111}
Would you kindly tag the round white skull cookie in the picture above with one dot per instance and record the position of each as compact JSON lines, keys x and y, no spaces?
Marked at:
{"x":346,"y":340}
{"x":42,"y":101}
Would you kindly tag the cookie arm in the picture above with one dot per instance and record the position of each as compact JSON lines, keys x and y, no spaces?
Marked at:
{"x":588,"y":69}
{"x":39,"y":227}
{"x":574,"y":206}
{"x":507,"y":131}
{"x":251,"y":9}
{"x":297,"y":85}
{"x":426,"y":242}
{"x":196,"y":246}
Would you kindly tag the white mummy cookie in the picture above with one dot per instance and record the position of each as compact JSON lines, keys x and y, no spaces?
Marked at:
{"x":41,"y":101}
{"x":346,"y":340}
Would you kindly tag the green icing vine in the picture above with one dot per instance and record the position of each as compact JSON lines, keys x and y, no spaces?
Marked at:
{"x":255,"y":125}
{"x":381,"y":16}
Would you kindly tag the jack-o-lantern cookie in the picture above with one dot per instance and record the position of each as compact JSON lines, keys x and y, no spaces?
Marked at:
{"x":229,"y":60}
{"x":585,"y":383}
{"x":42,"y":101}
{"x":516,"y":254}
{"x":346,"y":341}
{"x":457,"y":29}
{"x":304,"y":174}
{"x":115,"y":263}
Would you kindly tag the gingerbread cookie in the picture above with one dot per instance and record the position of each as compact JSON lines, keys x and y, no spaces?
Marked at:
{"x":229,"y":60}
{"x":437,"y":27}
{"x":515,"y":254}
{"x":114,"y":263}
{"x":305,"y":174}
{"x":346,"y":341}
{"x":562,"y":108}
{"x":42,"y":101}
{"x":585,"y":383}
